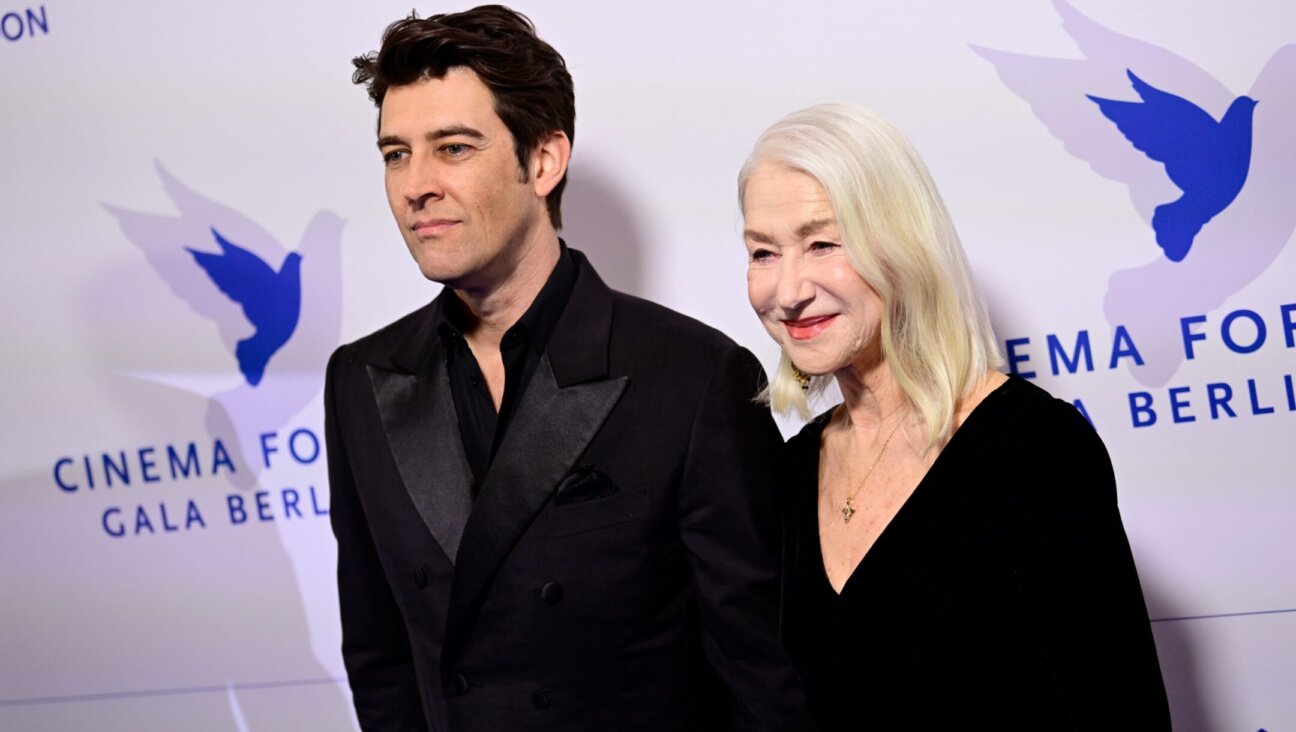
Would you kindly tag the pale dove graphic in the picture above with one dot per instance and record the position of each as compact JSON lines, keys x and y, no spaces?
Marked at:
{"x":235,"y":297}
{"x":1235,"y":246}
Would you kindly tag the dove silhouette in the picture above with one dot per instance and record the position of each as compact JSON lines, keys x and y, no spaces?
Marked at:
{"x":295,"y":312}
{"x":294,"y":316}
{"x":1254,"y":222}
{"x":271,"y":300}
{"x":1208,"y":160}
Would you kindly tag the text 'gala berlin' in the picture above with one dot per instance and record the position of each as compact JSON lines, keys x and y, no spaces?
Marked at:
{"x":1239,"y":334}
{"x":128,"y":479}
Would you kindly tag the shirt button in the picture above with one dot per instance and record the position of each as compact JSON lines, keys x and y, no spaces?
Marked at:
{"x":551,"y":593}
{"x":540,"y":699}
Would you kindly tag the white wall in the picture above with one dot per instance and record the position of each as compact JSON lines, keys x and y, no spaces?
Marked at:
{"x":131,"y":128}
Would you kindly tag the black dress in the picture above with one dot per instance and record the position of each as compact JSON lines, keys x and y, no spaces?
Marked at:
{"x":1001,"y":596}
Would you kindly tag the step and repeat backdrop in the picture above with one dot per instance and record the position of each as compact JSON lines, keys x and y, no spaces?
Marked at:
{"x":167,"y":561}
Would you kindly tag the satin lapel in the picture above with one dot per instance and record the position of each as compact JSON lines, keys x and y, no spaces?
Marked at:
{"x":419,"y":417}
{"x":549,"y":432}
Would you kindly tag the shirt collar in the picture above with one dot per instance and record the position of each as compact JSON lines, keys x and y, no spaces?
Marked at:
{"x":540,"y":318}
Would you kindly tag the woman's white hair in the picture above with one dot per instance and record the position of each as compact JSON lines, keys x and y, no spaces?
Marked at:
{"x":936,"y":335}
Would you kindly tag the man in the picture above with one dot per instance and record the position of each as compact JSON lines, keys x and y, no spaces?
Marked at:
{"x":552,"y":501}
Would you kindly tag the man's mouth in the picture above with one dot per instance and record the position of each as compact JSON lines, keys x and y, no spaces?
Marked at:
{"x":432,"y":227}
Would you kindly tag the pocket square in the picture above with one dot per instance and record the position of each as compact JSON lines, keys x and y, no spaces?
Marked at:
{"x":584,"y":483}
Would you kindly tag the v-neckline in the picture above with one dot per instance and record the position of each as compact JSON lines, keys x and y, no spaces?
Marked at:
{"x":904,"y":507}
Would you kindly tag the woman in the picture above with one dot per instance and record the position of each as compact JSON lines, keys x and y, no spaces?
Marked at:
{"x":954,"y":556}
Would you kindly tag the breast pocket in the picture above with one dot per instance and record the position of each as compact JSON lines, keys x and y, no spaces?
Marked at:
{"x":587,"y":499}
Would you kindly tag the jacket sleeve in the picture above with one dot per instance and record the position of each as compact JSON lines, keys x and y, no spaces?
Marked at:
{"x":728,"y":524}
{"x":1077,"y":577}
{"x":375,"y":645}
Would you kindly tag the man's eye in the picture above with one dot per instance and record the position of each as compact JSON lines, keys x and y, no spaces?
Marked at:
{"x":455,"y":149}
{"x":393,"y":156}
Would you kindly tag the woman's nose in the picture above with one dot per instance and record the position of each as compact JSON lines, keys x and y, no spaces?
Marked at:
{"x":795,"y":289}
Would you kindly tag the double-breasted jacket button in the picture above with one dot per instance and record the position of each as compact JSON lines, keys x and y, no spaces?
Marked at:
{"x":421,"y":577}
{"x":540,"y":699}
{"x":459,"y":684}
{"x":551,"y":593}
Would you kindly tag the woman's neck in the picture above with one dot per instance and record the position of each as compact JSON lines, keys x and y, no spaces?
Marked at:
{"x":871,"y":395}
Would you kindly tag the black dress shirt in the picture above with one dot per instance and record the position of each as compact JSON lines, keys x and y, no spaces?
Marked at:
{"x":480,"y":427}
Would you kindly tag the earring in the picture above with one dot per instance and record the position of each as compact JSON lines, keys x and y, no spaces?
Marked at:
{"x":801,"y":378}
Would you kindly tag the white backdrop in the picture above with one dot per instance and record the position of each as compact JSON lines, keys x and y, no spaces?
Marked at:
{"x":146,"y":592}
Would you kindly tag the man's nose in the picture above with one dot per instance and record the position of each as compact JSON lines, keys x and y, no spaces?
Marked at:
{"x":422,"y":181}
{"x":795,"y":288}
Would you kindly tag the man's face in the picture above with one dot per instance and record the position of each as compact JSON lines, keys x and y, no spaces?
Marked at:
{"x":462,"y":203}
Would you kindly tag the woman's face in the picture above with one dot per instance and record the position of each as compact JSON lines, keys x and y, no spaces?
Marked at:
{"x":799,"y":279}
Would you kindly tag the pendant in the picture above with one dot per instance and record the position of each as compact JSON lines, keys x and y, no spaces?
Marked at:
{"x":847,"y":511}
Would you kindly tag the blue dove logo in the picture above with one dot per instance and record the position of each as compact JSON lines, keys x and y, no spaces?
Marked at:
{"x":1233,"y":216}
{"x":276,"y":308}
{"x":271,"y":300}
{"x":1207,"y":160}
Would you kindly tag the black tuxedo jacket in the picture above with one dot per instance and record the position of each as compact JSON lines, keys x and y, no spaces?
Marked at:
{"x":617,"y":560}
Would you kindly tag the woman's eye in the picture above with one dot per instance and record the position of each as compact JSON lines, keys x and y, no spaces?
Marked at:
{"x":761,"y":255}
{"x":823,"y":246}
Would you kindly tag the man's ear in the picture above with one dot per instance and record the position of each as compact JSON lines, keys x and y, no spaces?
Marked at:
{"x":549,"y":161}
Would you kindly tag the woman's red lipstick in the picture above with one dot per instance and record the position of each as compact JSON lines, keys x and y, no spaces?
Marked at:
{"x":807,"y":328}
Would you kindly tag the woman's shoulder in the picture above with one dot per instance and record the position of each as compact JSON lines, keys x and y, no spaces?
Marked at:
{"x":1024,"y":410}
{"x":1049,"y":442}
{"x":1025,"y":431}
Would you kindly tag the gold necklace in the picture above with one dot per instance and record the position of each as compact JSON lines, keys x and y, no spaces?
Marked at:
{"x":848,"y":510}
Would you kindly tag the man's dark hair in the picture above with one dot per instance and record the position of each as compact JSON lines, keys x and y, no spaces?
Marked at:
{"x":527,"y":77}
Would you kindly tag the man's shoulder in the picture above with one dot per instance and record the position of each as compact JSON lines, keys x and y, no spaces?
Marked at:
{"x":654,"y":325}
{"x":639,"y":324}
{"x":377,"y":346}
